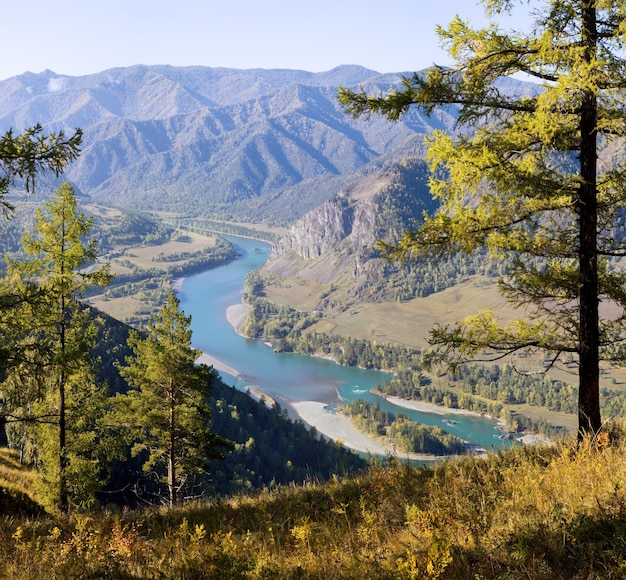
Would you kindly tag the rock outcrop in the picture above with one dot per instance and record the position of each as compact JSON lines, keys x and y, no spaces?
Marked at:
{"x":318,"y":232}
{"x":335,"y":244}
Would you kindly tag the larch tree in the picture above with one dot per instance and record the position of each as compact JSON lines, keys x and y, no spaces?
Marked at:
{"x":22,"y":158}
{"x":51,"y":383}
{"x":25,"y":155}
{"x":167,"y":410}
{"x":536,"y":175}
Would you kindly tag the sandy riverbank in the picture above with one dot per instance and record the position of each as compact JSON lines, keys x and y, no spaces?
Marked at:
{"x":424,"y":407}
{"x":339,"y":428}
{"x":207,"y":359}
{"x":237,"y":315}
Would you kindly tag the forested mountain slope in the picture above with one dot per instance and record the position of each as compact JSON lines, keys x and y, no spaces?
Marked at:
{"x":241,"y":144}
{"x":269,"y":447}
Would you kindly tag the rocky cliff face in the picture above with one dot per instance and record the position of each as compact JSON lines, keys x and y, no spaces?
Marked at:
{"x":318,"y":232}
{"x":335,"y":244}
{"x":350,"y":214}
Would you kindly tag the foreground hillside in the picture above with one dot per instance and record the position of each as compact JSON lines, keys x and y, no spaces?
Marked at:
{"x":524,"y":513}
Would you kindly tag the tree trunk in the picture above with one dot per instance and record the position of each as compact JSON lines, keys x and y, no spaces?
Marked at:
{"x":589,"y":421}
{"x":63,"y":497}
{"x":171,"y":464}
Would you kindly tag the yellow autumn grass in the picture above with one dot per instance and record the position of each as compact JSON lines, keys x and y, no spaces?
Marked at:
{"x":531,"y":512}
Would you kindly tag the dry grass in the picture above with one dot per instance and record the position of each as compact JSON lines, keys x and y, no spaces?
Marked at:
{"x":397,"y":322}
{"x":108,"y":213}
{"x":258,"y":227}
{"x":566,"y":420}
{"x":536,"y":512}
{"x":13,"y":475}
{"x":123,"y":308}
{"x":18,"y":495}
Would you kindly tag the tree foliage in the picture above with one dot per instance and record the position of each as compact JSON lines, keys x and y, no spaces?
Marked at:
{"x":167,"y":409}
{"x":525,"y":179}
{"x":50,"y":386}
{"x":23,"y":156}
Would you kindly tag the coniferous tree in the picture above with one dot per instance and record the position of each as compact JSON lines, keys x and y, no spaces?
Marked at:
{"x":525,"y":179}
{"x":167,"y":409}
{"x":52,"y":377}
{"x":23,"y":156}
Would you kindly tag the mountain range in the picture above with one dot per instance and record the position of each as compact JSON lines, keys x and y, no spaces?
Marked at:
{"x":247,"y":145}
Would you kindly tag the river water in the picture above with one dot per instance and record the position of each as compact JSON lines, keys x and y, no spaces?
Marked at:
{"x":206,"y":297}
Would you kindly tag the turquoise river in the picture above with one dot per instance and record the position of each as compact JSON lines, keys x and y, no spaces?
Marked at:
{"x":291,"y":377}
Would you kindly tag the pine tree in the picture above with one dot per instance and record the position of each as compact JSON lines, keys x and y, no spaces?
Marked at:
{"x":525,"y":179}
{"x":167,"y":409}
{"x":22,"y":158}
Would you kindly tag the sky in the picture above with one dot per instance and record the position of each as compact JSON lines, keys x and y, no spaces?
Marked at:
{"x":78,"y":37}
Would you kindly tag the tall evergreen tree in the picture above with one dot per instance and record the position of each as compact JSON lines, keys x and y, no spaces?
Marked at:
{"x":22,"y":158}
{"x":52,"y":375}
{"x":168,"y":407}
{"x":525,"y":179}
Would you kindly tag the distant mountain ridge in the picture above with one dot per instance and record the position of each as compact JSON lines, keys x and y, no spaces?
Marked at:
{"x":240,"y":144}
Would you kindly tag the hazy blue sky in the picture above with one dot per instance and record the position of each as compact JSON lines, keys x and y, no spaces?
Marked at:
{"x":76,"y":37}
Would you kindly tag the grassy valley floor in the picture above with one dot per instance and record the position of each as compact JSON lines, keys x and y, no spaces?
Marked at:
{"x":409,"y":323}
